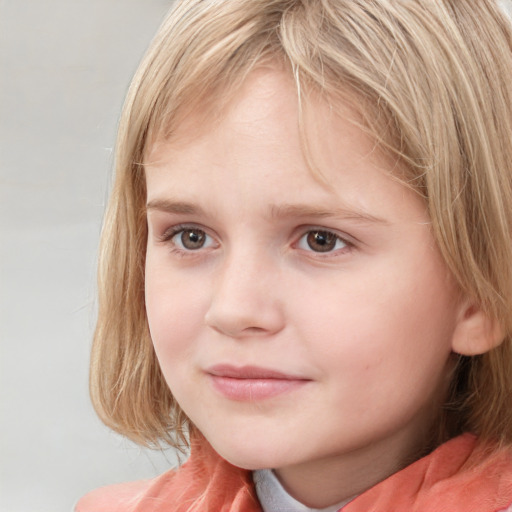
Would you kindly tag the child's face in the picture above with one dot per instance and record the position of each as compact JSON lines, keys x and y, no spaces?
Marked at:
{"x":295,"y":322}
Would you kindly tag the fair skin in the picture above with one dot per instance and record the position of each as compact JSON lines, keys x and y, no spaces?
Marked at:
{"x":333,"y":289}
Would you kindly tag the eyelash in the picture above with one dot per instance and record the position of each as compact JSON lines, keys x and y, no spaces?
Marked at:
{"x":167,"y":238}
{"x":331,"y":235}
{"x":322,"y":234}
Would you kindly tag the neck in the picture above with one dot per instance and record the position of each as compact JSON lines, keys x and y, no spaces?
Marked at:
{"x":325,"y":481}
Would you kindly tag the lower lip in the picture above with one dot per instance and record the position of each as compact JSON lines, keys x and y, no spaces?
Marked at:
{"x":250,"y":390}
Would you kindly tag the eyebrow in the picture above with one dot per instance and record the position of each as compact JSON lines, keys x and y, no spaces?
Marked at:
{"x":276,"y":211}
{"x":300,"y":210}
{"x":177,"y":207}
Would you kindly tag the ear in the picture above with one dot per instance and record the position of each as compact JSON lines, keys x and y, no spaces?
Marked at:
{"x":475,"y":332}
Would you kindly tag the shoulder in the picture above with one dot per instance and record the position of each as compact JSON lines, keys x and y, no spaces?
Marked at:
{"x":462,"y":475}
{"x":205,"y":482}
{"x":139,"y":496}
{"x":113,"y":498}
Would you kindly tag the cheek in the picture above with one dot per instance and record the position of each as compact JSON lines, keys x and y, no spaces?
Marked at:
{"x":387,"y":330}
{"x":175,"y":314}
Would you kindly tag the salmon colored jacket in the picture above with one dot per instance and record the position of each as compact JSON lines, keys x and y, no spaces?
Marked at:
{"x":460,"y":476}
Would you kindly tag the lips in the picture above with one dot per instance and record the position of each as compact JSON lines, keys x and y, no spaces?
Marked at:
{"x":252,"y":383}
{"x":248,"y":372}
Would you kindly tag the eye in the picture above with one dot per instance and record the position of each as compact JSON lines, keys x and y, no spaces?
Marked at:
{"x":191,"y":239}
{"x":319,"y":240}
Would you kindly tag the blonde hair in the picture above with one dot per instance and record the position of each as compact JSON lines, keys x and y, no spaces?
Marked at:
{"x":433,"y":83}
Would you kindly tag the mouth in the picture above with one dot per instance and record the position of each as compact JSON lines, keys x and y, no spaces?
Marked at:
{"x":252,"y":383}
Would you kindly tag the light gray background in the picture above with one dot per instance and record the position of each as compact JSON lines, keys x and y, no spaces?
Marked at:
{"x":64,"y":69}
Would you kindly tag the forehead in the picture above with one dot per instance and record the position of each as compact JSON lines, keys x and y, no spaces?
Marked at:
{"x":269,"y":90}
{"x":264,"y":148}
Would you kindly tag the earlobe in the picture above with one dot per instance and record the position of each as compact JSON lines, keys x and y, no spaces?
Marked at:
{"x":476,"y":332}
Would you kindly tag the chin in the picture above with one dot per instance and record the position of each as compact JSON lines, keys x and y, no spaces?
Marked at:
{"x":252,"y":462}
{"x":250,"y":456}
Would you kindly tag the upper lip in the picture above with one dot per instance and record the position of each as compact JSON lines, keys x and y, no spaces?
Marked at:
{"x":249,"y":372}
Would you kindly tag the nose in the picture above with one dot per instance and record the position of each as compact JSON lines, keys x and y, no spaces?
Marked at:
{"x":245,"y":298}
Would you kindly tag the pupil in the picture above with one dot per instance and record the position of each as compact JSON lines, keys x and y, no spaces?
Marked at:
{"x":321,"y":241}
{"x":192,"y":239}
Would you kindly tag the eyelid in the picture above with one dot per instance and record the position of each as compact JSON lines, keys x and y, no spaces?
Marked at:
{"x":167,"y":236}
{"x":300,"y":232}
{"x":177,"y":228}
{"x":348,"y":241}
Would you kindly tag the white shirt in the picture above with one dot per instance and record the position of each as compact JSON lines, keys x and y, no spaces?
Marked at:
{"x":274,"y":498}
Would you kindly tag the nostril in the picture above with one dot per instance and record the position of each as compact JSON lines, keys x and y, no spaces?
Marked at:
{"x":254,"y":330}
{"x":235,"y":330}
{"x":237,"y":323}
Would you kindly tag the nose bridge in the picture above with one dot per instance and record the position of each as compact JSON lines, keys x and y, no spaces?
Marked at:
{"x":244,"y":295}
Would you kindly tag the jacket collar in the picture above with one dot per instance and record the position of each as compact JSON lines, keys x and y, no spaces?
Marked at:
{"x":461,"y":475}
